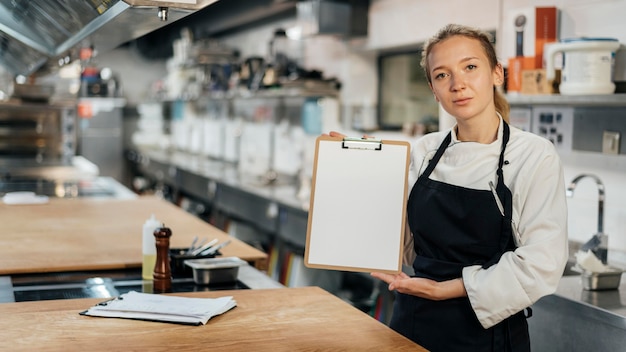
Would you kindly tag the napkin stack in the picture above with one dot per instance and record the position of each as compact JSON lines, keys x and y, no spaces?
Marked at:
{"x":163,"y":308}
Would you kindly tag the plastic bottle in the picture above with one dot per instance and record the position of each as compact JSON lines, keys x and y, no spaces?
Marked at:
{"x":149,"y":248}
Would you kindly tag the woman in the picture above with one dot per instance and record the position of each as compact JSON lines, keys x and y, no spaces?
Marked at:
{"x":487,"y":213}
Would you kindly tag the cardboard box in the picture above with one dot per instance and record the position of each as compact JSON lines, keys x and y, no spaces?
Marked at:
{"x":517,"y":65}
{"x":534,"y":82}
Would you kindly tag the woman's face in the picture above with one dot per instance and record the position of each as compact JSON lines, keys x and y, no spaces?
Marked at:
{"x":462,"y":79}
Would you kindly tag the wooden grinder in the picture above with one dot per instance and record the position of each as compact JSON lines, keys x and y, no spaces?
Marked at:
{"x":162,"y":276}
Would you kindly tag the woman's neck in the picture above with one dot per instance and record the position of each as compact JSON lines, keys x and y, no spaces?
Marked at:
{"x":484,"y":132}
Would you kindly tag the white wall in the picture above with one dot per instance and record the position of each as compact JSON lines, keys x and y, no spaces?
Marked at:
{"x":136,"y":74}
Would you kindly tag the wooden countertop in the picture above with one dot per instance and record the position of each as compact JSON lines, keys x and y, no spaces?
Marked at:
{"x":97,"y":234}
{"x":288,"y":319}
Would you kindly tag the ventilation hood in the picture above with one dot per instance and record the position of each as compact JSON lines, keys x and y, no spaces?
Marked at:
{"x":45,"y":34}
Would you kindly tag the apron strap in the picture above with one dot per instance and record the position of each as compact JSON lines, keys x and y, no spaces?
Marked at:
{"x":433,"y":162}
{"x":505,"y":139}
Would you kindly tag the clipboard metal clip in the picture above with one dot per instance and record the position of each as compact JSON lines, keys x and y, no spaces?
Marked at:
{"x":362,"y":143}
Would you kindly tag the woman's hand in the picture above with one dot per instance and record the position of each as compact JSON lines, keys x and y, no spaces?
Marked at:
{"x":339,"y":134}
{"x":334,"y":134}
{"x":424,"y":288}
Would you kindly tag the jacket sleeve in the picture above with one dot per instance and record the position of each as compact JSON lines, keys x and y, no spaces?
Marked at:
{"x":534,"y":269}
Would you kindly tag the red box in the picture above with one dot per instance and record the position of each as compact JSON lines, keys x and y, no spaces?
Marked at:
{"x":546,"y":30}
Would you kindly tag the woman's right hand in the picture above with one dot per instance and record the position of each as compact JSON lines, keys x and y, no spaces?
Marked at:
{"x":334,"y":134}
{"x":341,"y":135}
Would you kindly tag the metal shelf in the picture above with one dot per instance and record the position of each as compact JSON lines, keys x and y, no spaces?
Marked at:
{"x":610,"y":100}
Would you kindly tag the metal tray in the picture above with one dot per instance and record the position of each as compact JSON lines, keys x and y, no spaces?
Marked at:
{"x":608,"y":280}
{"x":215,"y":270}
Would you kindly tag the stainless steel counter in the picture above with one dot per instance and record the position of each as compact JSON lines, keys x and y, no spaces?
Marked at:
{"x":574,"y":319}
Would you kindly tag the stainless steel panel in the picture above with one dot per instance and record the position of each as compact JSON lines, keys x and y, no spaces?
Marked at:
{"x":590,"y":124}
{"x":292,"y":225}
{"x":53,"y":29}
{"x":196,"y":185}
{"x":562,"y":325}
{"x":246,"y":206}
{"x":162,"y":172}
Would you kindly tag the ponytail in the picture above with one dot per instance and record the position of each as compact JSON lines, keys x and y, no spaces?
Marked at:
{"x":502,"y":105}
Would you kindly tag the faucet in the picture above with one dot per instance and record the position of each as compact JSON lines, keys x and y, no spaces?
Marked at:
{"x":599,"y":242}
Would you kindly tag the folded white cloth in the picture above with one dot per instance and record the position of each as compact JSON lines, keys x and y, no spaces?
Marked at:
{"x":588,"y":261}
{"x":24,"y":198}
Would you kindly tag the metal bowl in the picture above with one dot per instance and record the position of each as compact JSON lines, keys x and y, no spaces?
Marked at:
{"x":215,"y":270}
{"x":608,"y":280}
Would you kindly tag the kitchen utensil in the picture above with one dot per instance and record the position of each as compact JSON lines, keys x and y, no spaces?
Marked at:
{"x":520,"y":23}
{"x":192,"y":246}
{"x":587,"y":65}
{"x":215,"y":270}
{"x":178,"y":256}
{"x":200,"y":249}
{"x":213,"y":250}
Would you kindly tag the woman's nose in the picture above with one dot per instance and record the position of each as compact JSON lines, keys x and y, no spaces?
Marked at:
{"x":457,"y":83}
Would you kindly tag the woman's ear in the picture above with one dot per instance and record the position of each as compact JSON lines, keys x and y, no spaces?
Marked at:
{"x":498,"y":74}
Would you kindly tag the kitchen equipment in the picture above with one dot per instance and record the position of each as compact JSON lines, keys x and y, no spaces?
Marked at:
{"x":33,"y":92}
{"x":43,"y":35}
{"x":252,"y":72}
{"x":587,"y":65}
{"x":37,"y":133}
{"x":215,"y":270}
{"x":520,"y":23}
{"x":178,"y":257}
{"x":598,"y":244}
{"x":608,"y":280}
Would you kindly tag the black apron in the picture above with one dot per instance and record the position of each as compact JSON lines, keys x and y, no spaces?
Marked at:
{"x":454,"y":227}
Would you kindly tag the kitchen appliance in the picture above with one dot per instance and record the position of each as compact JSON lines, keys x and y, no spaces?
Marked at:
{"x":37,"y":133}
{"x":587,"y":65}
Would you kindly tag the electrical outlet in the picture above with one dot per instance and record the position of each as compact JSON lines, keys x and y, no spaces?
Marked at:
{"x":610,"y":142}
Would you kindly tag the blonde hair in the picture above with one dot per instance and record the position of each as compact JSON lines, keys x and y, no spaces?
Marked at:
{"x":485,"y":40}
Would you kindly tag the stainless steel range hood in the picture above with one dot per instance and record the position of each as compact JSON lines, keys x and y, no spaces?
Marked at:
{"x":44,"y":34}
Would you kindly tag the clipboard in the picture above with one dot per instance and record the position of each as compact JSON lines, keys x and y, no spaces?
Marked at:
{"x":357,"y":207}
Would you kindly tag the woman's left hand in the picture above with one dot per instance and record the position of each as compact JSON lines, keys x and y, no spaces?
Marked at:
{"x":422,"y":287}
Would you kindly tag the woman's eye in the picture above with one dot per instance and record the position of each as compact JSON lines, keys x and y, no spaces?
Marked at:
{"x":471,"y":67}
{"x":440,"y":75}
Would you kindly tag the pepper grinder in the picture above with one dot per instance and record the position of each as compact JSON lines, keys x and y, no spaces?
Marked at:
{"x":162,"y":276}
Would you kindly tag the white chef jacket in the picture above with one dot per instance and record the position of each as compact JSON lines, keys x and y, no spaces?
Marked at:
{"x":534,"y":175}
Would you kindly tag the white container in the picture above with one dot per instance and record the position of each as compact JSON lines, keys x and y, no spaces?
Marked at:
{"x":149,"y":248}
{"x":587,"y":65}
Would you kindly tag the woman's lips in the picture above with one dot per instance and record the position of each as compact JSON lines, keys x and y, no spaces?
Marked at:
{"x":462,"y":101}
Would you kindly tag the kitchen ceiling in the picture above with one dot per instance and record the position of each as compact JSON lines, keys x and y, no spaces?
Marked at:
{"x":37,"y":36}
